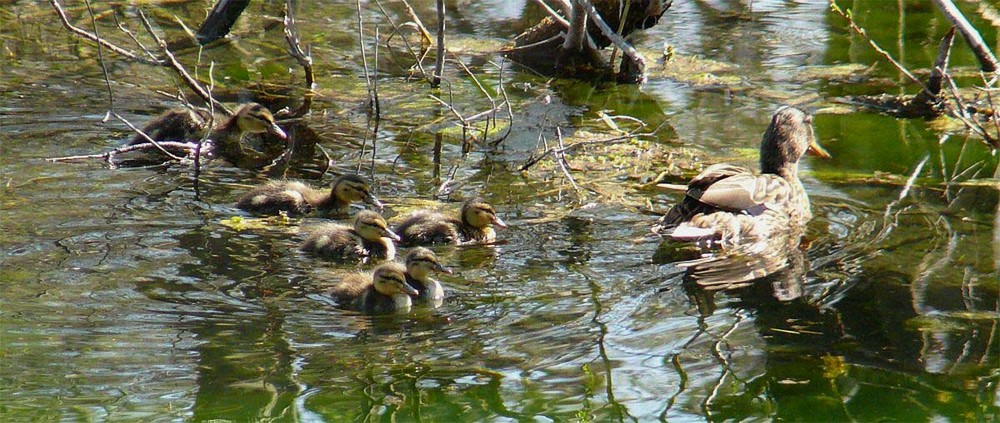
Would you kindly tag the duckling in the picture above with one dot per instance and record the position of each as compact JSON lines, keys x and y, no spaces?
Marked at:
{"x":296,"y":198}
{"x":472,"y":226}
{"x":369,"y":239}
{"x":190,"y":125}
{"x":383,"y":291}
{"x":420,"y":262}
{"x":730,"y":204}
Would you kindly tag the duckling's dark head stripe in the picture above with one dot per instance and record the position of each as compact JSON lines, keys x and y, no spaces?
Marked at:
{"x":393,"y":278}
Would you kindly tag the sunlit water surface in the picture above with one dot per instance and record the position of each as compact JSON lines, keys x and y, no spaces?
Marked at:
{"x":124,"y":297}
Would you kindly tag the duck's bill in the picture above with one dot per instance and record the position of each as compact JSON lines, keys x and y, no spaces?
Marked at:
{"x":441,"y":268}
{"x":392,"y":235}
{"x":817,"y":150}
{"x":409,"y":290}
{"x":499,"y":222}
{"x":373,"y":201}
{"x":276,"y":131}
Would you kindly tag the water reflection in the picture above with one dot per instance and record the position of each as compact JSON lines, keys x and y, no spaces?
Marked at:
{"x":124,"y":298}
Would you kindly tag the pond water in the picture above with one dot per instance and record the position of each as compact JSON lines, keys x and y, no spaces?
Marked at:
{"x":126,"y":298}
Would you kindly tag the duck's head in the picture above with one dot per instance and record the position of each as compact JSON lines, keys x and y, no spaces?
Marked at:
{"x":390,"y":279}
{"x":352,"y":188}
{"x":789,"y":137}
{"x":479,"y":214}
{"x":255,"y":119}
{"x":371,"y":226}
{"x":420,"y":262}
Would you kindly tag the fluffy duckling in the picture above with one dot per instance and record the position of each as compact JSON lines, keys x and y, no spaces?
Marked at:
{"x":190,"y":125}
{"x":370,"y":239}
{"x":731,"y":204}
{"x":420,"y":263}
{"x":296,"y":198}
{"x":383,"y":291}
{"x":472,"y":226}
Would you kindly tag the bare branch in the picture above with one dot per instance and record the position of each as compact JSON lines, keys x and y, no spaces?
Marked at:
{"x":439,"y":60}
{"x":192,"y":83}
{"x":303,"y":57}
{"x":94,"y":38}
{"x":987,"y":60}
{"x":854,"y":27}
{"x":125,"y":149}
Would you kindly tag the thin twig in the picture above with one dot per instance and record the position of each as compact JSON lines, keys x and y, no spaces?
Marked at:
{"x":561,"y":159}
{"x":510,"y":111}
{"x":128,"y":148}
{"x":204,"y":137}
{"x":100,"y":58}
{"x":304,"y":59}
{"x":418,"y":58}
{"x":94,"y":38}
{"x":899,"y":66}
{"x":192,"y":83}
{"x":552,"y":13}
{"x":157,"y":144}
{"x":364,"y":57}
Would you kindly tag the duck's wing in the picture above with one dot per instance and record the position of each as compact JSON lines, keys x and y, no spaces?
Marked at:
{"x":744,"y":193}
{"x":691,"y":205}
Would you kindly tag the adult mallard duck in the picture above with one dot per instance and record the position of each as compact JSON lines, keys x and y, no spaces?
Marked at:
{"x":383,"y":291}
{"x":370,"y":239}
{"x":420,"y":263}
{"x":296,"y":198}
{"x":729,"y":204}
{"x":472,"y":226}
{"x":189,"y":125}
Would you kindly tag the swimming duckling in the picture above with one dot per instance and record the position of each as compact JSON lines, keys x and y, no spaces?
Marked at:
{"x":383,"y":291}
{"x":296,"y":198}
{"x":189,"y":125}
{"x":369,"y":239}
{"x":420,"y":262}
{"x":730,"y":203}
{"x":472,"y":226}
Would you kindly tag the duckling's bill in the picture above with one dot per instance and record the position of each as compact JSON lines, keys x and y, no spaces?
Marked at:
{"x":372,"y":200}
{"x":409,"y":290}
{"x":392,"y":235}
{"x":499,"y":222}
{"x":273,"y":129}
